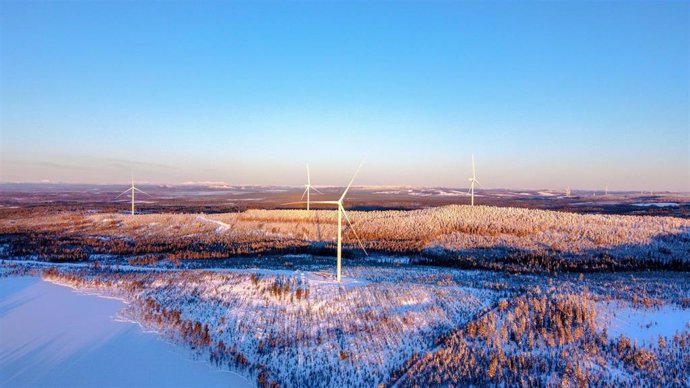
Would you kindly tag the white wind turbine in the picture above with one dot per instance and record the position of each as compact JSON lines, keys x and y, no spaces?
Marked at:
{"x":341,"y":214}
{"x":132,"y":189}
{"x":473,"y":181}
{"x":309,"y":187}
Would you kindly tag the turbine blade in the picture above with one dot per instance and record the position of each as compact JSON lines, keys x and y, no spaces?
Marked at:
{"x":474,"y":173}
{"x":315,"y":189}
{"x":308,"y":176}
{"x":311,"y":202}
{"x":352,"y":180}
{"x":305,"y":193}
{"x":123,"y":193}
{"x":134,"y":188}
{"x":478,"y":184}
{"x":353,"y":230}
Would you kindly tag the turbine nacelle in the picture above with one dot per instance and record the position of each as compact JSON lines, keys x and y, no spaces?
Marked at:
{"x":341,"y":213}
{"x":132,"y":190}
{"x":473,"y":180}
{"x":309,"y":187}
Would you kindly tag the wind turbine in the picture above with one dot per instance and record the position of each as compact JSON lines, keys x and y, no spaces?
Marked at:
{"x":308,"y":188}
{"x":132,"y":189}
{"x":342,"y":213}
{"x":473,"y":180}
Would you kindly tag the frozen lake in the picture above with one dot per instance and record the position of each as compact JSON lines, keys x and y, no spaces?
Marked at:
{"x":53,"y":336}
{"x":644,"y":325}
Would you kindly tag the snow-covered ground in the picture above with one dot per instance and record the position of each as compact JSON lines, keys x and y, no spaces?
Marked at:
{"x":298,"y":324}
{"x":222,"y":226}
{"x":53,"y":336}
{"x":656,"y":204}
{"x":644,"y":325}
{"x":298,"y":327}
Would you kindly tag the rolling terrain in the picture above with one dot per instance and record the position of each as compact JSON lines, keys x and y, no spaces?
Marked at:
{"x":448,"y":295}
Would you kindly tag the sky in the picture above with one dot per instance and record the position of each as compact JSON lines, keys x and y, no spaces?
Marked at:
{"x":545,"y":95}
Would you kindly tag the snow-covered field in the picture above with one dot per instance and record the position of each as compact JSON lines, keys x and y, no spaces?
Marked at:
{"x":644,"y":325}
{"x":52,"y":336}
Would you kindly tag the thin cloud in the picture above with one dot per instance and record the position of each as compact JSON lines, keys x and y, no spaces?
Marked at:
{"x":47,"y":164}
{"x":134,"y":163}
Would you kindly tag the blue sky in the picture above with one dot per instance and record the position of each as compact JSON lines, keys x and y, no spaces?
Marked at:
{"x":544,"y":94}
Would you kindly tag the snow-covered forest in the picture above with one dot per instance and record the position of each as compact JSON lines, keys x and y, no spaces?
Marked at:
{"x":414,"y":326}
{"x":463,"y":236}
{"x":449,"y":296}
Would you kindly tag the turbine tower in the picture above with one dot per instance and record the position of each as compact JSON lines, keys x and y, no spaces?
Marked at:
{"x":473,"y":181}
{"x":342,"y":214}
{"x":132,"y":189}
{"x":309,"y":187}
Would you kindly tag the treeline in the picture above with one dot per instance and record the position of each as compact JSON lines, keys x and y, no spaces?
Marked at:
{"x":511,"y":260}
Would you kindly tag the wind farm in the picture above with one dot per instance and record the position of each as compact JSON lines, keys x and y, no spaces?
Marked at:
{"x":496,"y":194}
{"x":414,"y":274}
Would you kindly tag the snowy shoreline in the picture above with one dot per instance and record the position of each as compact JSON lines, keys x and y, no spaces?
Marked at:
{"x":57,"y":335}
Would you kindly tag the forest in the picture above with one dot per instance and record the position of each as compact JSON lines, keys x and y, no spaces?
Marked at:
{"x":419,"y":327}
{"x":447,"y":296}
{"x":459,"y":236}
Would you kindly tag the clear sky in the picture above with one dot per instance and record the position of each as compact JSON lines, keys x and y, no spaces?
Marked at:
{"x":544,"y":94}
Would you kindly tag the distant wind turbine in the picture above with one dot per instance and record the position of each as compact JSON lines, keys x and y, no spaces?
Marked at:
{"x":473,"y":181}
{"x":132,"y":189}
{"x":342,"y":213}
{"x":308,"y":188}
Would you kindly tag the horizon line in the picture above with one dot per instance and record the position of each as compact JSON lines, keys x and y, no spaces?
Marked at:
{"x":221,"y":184}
